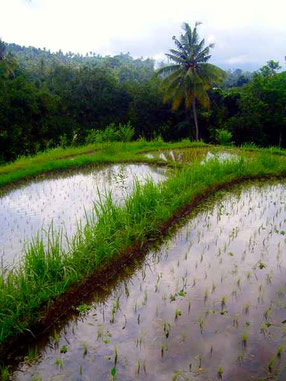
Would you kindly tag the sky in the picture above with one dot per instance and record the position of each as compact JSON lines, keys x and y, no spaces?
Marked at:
{"x":246,"y":33}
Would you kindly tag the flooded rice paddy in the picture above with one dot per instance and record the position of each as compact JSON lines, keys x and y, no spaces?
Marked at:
{"x":208,"y":304}
{"x":189,"y":155}
{"x":62,"y":201}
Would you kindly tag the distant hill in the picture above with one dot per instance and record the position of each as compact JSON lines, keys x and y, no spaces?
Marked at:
{"x":35,"y":60}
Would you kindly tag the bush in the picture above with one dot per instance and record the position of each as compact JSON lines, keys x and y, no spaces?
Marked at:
{"x":122,"y":133}
{"x":223,"y":137}
{"x":126,"y":132}
{"x":64,"y":141}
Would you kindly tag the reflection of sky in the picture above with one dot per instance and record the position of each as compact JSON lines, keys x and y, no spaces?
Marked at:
{"x":63,"y":202}
{"x":219,"y":247}
{"x":189,"y":155}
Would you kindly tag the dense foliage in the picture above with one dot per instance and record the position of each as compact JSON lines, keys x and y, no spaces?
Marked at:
{"x":50,"y":99}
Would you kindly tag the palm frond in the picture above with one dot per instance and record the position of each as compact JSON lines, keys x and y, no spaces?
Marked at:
{"x":198,"y":48}
{"x":167,"y":70}
{"x":179,"y":54}
{"x":179,"y":45}
{"x":204,"y":55}
{"x":212,"y":73}
{"x":174,"y":58}
{"x":172,"y":80}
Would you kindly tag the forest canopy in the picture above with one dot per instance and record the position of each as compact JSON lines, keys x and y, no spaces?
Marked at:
{"x":49,"y":99}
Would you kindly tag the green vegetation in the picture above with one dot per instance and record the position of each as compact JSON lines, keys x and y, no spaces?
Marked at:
{"x":47,"y":272}
{"x":54,"y":99}
{"x":62,"y":111}
{"x":71,"y":157}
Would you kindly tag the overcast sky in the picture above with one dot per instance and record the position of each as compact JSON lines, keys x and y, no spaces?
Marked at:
{"x":247,"y":33}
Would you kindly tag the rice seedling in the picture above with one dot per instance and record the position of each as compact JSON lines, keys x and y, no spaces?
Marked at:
{"x":223,"y":302}
{"x":64,"y":349}
{"x":126,"y":289}
{"x":267,"y":312}
{"x":177,"y":313}
{"x":201,"y":323}
{"x":115,"y":355}
{"x":269,"y":278}
{"x":157,"y":311}
{"x":270,"y":365}
{"x":167,"y":328}
{"x":199,"y":358}
{"x":213,"y":287}
{"x":244,"y":338}
{"x":220,"y":372}
{"x":184,"y":336}
{"x":113,"y":373}
{"x":163,"y":349}
{"x":189,"y":306}
{"x":206,"y":294}
{"x":144,"y":367}
{"x":246,"y":308}
{"x":56,"y":338}
{"x":279,"y":351}
{"x":84,"y":349}
{"x":83,"y":308}
{"x":59,"y":363}
{"x":138,"y":366}
{"x":32,"y":355}
{"x":177,"y":375}
{"x":264,"y":329}
{"x":240,"y":357}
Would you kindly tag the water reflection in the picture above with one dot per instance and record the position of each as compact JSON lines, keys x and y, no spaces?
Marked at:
{"x":63,"y":201}
{"x":209,"y":302}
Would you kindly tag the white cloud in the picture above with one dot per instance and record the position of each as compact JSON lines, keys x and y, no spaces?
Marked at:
{"x":238,"y":60}
{"x":145,"y":28}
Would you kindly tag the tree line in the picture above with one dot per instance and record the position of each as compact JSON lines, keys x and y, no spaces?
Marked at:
{"x":49,"y":99}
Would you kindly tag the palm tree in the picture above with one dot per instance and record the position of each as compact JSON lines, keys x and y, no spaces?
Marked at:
{"x":190,"y":76}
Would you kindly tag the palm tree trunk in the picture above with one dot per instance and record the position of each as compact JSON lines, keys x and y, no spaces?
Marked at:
{"x":195,"y":119}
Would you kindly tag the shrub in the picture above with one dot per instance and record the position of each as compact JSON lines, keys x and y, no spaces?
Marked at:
{"x":223,"y":137}
{"x":126,"y":132}
{"x":111,"y":133}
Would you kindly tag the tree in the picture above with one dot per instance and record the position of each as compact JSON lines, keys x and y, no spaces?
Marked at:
{"x":190,"y":76}
{"x":7,"y":62}
{"x":270,"y":69}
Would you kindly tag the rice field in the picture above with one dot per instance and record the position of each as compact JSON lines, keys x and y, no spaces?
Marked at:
{"x":61,"y":202}
{"x":200,"y":154}
{"x":208,"y":304}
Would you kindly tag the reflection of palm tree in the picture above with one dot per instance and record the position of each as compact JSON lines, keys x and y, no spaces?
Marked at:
{"x":190,"y":76}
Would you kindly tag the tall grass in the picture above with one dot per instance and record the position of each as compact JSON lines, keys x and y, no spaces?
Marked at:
{"x":48,"y":271}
